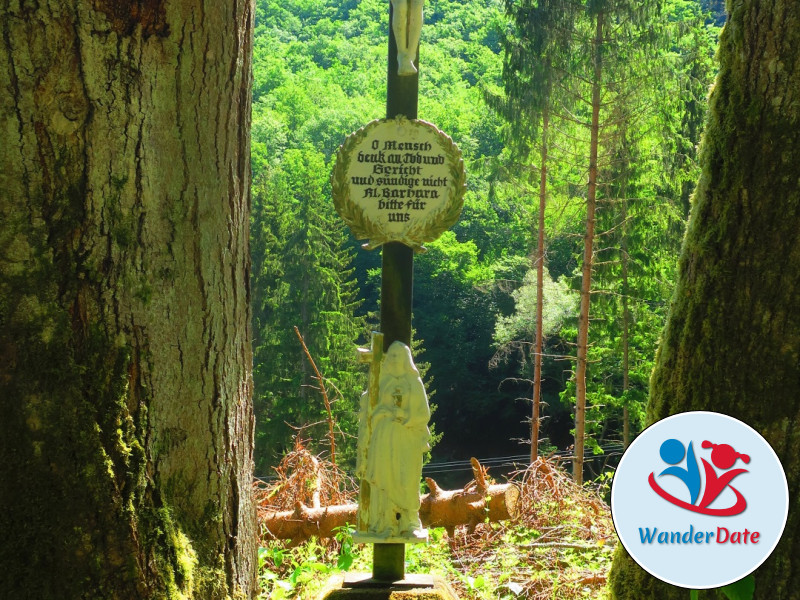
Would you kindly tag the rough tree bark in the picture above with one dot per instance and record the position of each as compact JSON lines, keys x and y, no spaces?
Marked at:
{"x":732,"y":339}
{"x":125,"y":362}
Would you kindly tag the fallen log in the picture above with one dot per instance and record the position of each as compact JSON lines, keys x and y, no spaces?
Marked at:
{"x":474,"y":504}
{"x":470,"y":506}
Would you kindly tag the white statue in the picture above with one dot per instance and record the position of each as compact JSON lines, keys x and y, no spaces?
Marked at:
{"x":398,"y":437}
{"x":406,"y":25}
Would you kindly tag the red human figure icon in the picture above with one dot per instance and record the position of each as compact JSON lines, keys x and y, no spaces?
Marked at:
{"x":724,"y":457}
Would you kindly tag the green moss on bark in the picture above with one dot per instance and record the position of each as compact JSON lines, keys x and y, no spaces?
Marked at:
{"x":732,"y":340}
{"x":75,"y":488}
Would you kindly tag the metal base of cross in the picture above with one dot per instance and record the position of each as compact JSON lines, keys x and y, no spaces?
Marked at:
{"x":363,"y":587}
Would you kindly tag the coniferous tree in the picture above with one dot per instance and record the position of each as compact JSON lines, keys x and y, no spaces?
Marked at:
{"x":616,"y":34}
{"x":649,"y":155}
{"x":547,"y":56}
{"x":534,"y":50}
{"x":310,"y":286}
{"x":599,"y":32}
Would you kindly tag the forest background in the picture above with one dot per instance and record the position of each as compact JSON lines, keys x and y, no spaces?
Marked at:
{"x":319,"y":74}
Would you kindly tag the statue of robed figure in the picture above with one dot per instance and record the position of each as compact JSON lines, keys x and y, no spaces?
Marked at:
{"x":393,"y":437}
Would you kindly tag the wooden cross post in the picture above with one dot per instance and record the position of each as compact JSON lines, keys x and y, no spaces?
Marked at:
{"x":398,"y":214}
{"x":397,"y":279}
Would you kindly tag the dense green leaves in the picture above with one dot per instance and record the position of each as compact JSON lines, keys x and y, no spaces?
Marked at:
{"x":654,"y":59}
{"x":319,"y":74}
{"x":301,"y":277}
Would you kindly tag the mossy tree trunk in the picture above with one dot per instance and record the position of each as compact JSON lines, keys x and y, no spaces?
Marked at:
{"x":732,"y":340}
{"x":125,"y":361}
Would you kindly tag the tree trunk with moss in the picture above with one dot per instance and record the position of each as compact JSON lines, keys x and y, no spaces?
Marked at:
{"x":732,"y":340}
{"x":125,"y":361}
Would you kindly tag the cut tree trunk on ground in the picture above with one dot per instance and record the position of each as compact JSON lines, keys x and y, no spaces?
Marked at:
{"x":440,"y":508}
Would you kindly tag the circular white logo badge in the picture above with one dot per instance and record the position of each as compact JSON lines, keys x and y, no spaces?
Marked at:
{"x":699,"y":500}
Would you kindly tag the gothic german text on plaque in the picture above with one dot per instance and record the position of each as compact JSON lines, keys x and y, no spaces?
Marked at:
{"x":398,"y":180}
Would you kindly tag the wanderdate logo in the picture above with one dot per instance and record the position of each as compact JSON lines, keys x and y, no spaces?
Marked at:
{"x":699,"y":500}
{"x":723,"y":457}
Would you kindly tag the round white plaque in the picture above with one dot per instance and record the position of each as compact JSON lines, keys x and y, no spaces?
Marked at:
{"x":398,"y":180}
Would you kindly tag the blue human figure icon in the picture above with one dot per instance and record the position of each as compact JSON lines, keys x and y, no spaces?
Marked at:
{"x":672,"y":452}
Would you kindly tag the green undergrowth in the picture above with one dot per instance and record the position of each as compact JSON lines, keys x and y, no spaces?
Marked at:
{"x":504,"y":561}
{"x":559,"y":546}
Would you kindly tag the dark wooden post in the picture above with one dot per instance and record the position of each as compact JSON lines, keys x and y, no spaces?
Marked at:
{"x":397,"y":280}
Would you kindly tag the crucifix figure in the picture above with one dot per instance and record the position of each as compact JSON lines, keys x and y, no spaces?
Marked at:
{"x":406,"y":25}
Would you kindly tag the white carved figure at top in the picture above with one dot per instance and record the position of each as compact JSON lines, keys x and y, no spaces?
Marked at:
{"x":406,"y":25}
{"x":398,"y":439}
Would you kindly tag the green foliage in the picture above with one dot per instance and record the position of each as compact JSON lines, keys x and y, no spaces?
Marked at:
{"x":301,"y":277}
{"x":344,"y":536}
{"x":319,"y":74}
{"x":744,"y":589}
{"x":498,"y":561}
{"x":286,"y":572}
{"x":521,"y":325}
{"x":455,"y":303}
{"x":643,"y":206}
{"x":656,"y":64}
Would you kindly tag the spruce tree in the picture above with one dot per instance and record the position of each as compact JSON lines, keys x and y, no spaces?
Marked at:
{"x":535,"y":49}
{"x":310,"y":285}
